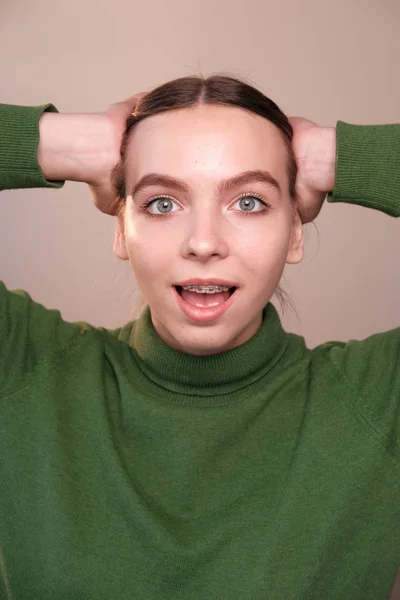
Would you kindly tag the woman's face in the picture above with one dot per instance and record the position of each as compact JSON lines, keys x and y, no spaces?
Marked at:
{"x":207,"y":172}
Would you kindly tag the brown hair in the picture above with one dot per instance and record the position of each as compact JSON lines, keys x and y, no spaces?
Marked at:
{"x":187,"y":92}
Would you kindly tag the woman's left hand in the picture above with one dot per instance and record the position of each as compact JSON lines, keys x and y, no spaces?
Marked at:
{"x":314,"y":149}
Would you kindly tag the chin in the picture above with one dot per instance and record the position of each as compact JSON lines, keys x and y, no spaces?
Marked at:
{"x":206,"y":342}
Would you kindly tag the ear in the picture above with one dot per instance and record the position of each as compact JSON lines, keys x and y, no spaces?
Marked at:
{"x":296,"y":248}
{"x":119,"y":239}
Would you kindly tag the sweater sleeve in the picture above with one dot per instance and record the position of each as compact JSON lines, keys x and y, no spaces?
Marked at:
{"x":31,"y":338}
{"x":368,"y":166}
{"x":19,"y":139}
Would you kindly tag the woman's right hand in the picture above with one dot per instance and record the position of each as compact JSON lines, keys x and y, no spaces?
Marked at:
{"x":85,"y":147}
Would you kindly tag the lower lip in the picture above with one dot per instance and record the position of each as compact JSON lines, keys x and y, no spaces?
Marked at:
{"x":204,"y":314}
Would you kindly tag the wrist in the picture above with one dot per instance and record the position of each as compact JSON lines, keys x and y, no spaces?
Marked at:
{"x":323,"y":159}
{"x":74,"y":147}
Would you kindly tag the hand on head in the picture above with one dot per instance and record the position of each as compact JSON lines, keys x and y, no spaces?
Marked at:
{"x":314,"y":149}
{"x":115,"y":118}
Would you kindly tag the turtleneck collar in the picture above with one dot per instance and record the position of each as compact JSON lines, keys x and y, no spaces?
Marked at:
{"x":207,"y":375}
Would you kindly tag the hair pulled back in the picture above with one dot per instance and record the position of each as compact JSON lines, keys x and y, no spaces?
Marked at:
{"x":187,"y":92}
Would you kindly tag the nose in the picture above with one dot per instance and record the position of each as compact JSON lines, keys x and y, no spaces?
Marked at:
{"x":205,"y":238}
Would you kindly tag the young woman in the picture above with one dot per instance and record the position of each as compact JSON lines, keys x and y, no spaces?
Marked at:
{"x":199,"y":452}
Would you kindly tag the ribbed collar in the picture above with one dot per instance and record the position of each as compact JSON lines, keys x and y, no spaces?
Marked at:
{"x":207,"y":375}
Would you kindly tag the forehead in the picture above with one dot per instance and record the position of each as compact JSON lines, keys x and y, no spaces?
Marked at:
{"x":205,"y":141}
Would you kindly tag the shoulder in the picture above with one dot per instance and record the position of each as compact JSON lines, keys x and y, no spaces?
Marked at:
{"x":366,"y":373}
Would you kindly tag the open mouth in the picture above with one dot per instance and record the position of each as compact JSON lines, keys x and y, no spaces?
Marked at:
{"x":207,"y":303}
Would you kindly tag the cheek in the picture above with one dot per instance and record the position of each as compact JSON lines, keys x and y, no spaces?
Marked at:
{"x":264,"y":244}
{"x":150,"y":250}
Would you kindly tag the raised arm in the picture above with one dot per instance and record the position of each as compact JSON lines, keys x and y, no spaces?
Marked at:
{"x":41,"y":148}
{"x":358,"y":164}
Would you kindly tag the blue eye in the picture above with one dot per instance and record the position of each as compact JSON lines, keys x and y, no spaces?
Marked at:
{"x":251,"y":204}
{"x":161,"y":206}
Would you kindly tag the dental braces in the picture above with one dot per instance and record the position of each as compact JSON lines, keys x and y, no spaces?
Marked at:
{"x":202,"y":289}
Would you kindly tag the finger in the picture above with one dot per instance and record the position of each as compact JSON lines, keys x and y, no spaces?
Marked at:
{"x":126,"y":107}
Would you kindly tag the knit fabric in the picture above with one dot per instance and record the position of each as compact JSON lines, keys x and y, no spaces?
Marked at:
{"x":130,"y":470}
{"x":19,"y":138}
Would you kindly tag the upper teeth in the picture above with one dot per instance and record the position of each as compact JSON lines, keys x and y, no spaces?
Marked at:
{"x":206,"y":289}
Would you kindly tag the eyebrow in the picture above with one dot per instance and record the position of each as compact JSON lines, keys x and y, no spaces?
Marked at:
{"x":245,"y":178}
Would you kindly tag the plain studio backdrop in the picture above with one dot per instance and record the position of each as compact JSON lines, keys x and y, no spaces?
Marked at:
{"x":322,"y":59}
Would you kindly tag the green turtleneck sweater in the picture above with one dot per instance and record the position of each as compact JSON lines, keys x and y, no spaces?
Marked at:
{"x":129,"y":470}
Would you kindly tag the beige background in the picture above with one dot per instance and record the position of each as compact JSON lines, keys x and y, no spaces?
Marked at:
{"x":324,"y":59}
